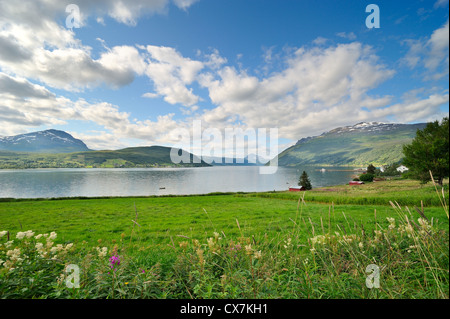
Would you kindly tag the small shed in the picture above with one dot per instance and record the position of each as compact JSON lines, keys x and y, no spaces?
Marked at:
{"x":355,"y":183}
{"x":296,"y":188}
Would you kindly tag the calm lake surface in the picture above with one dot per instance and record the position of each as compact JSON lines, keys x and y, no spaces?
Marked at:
{"x":48,"y":183}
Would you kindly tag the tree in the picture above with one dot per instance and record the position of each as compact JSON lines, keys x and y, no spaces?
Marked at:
{"x":368,"y":177}
{"x":371,"y":169}
{"x":304,"y":181}
{"x":390,"y":170}
{"x":429,"y":152}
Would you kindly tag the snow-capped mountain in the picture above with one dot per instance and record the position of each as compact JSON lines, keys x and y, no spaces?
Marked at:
{"x":366,"y":127}
{"x":359,"y":144}
{"x":49,"y":141}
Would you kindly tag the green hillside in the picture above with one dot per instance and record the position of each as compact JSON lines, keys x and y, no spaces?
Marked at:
{"x":352,"y":146}
{"x":153,"y":156}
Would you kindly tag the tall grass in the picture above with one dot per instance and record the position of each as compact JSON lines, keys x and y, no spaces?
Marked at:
{"x":411,"y":253}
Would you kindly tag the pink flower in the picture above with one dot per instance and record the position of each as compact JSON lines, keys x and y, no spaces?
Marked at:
{"x":114,"y":260}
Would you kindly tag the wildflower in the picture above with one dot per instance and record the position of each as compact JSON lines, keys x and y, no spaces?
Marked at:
{"x":391,"y":222}
{"x":200,"y":256}
{"x":27,"y":234}
{"x":288,"y":243}
{"x":216,"y":236}
{"x":183,"y":244}
{"x":210,"y":242}
{"x":422,"y":222}
{"x":52,"y":236}
{"x":102,"y":251}
{"x":248,"y":249}
{"x":14,"y":255}
{"x":409,"y":229}
{"x":361,"y":245}
{"x":3,"y":233}
{"x":114,"y":260}
{"x":9,"y":243}
{"x":38,"y":236}
{"x":40,"y":249}
{"x":378,"y":235}
{"x":319,"y":239}
{"x":348,"y":238}
{"x":57,"y":248}
{"x":425,"y":226}
{"x":20,"y":235}
{"x":257,"y":254}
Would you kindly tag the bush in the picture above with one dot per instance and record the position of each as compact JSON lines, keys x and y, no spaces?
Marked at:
{"x":366,"y":177}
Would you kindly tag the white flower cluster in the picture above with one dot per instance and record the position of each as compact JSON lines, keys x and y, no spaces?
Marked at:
{"x":287,"y":243}
{"x":405,"y":228}
{"x":15,"y":257}
{"x":27,"y":234}
{"x":102,"y":251}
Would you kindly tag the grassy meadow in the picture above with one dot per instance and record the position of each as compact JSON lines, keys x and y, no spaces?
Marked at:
{"x":314,"y":244}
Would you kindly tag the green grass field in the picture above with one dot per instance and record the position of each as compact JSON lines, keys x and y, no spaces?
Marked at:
{"x":184,"y":244}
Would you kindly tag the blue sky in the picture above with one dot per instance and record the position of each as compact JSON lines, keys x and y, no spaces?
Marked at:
{"x":136,"y":71}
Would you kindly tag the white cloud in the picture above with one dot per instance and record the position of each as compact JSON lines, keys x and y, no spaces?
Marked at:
{"x":432,"y":53}
{"x":320,"y":41}
{"x":150,"y":95}
{"x":51,"y":54}
{"x":316,"y":88}
{"x":100,"y":140}
{"x":35,"y":46}
{"x":438,"y":45}
{"x":413,"y":109}
{"x":172,"y":73}
{"x":440,"y":3}
{"x":347,"y":35}
{"x":184,"y":4}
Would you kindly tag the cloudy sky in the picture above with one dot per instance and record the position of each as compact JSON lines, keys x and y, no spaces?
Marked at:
{"x":135,"y":71}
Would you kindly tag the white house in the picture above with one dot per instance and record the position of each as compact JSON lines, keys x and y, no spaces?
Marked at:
{"x":402,"y":169}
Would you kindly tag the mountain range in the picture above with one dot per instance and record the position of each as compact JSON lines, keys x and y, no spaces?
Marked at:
{"x":359,"y":144}
{"x":49,"y":141}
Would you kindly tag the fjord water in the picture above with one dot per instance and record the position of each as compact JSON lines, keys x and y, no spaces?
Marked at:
{"x":50,"y":183}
